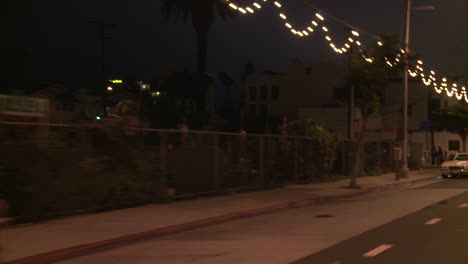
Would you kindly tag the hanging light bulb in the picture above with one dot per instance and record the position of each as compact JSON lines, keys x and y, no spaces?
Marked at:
{"x":319,"y":16}
{"x":233,"y":6}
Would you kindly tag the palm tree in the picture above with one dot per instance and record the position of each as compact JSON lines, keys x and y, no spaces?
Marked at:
{"x":202,"y":14}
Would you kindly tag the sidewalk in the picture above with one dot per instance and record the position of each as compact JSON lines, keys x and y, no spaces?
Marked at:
{"x":77,"y":235}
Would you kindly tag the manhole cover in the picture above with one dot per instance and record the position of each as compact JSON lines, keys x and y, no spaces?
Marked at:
{"x":325,"y":215}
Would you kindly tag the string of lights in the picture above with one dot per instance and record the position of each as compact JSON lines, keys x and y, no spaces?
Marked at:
{"x":426,"y":76}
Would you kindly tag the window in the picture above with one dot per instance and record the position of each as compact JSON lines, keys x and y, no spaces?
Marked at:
{"x":68,"y":107}
{"x":461,"y":157}
{"x":253,"y":93}
{"x":454,"y":145}
{"x":275,"y":92}
{"x":263,"y":93}
{"x":341,"y":93}
{"x":263,"y":110}
{"x":435,"y":104}
{"x":252,"y":109}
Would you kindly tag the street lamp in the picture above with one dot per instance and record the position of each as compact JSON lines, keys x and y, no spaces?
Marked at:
{"x":404,"y":172}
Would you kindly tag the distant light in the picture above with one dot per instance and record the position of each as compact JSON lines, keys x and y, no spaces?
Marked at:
{"x":328,"y":38}
{"x":310,"y":29}
{"x":355,"y":33}
{"x":98,"y":118}
{"x":277,"y":4}
{"x":282,"y":16}
{"x":250,"y":10}
{"x":380,"y":43}
{"x":242,"y":10}
{"x":109,"y":88}
{"x":314,"y":23}
{"x":325,"y":29}
{"x":257,"y":5}
{"x":116,"y":81}
{"x":420,"y":62}
{"x":288,"y":25}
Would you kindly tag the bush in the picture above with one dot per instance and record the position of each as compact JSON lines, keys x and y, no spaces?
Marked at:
{"x":318,"y":153}
{"x":41,"y":182}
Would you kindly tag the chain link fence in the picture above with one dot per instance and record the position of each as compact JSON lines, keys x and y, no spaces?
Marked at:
{"x":48,"y":170}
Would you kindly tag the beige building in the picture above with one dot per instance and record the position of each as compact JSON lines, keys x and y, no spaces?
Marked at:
{"x":311,"y":91}
{"x":303,"y":86}
{"x":70,"y":106}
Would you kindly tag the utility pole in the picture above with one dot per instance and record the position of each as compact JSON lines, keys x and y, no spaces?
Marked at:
{"x":351,"y":92}
{"x":404,"y":172}
{"x":103,"y":27}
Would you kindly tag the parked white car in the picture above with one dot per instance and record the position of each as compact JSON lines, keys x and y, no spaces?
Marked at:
{"x":455,"y":165}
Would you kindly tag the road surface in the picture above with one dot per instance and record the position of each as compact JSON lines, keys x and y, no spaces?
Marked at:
{"x":419,"y":224}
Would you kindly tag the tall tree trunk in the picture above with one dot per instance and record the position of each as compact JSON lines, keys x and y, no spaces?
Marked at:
{"x":202,"y":50}
{"x":358,"y":156}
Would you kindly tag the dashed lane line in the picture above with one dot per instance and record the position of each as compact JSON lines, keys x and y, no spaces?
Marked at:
{"x":377,"y":250}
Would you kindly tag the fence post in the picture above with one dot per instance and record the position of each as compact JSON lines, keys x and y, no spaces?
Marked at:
{"x":261,"y":160}
{"x":379,"y":156}
{"x":216,"y":176}
{"x":295,"y":165}
{"x":343,"y":158}
{"x":164,"y":164}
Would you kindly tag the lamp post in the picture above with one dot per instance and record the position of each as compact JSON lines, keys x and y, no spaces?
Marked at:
{"x":404,"y":172}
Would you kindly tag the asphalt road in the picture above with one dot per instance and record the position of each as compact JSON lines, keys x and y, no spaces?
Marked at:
{"x":435,"y":234}
{"x":391,"y":222}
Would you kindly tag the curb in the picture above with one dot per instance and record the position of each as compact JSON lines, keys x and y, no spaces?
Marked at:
{"x":85,"y":249}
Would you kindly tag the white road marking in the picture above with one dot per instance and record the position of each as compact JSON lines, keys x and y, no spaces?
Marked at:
{"x":433,"y":221}
{"x":463,"y":205}
{"x":377,"y":250}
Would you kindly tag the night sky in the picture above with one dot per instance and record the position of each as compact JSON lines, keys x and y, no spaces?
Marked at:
{"x":64,"y":47}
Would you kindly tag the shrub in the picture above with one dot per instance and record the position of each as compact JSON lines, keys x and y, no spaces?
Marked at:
{"x":40,"y":182}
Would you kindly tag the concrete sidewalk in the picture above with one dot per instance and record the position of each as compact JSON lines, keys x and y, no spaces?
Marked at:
{"x":78,"y":235}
